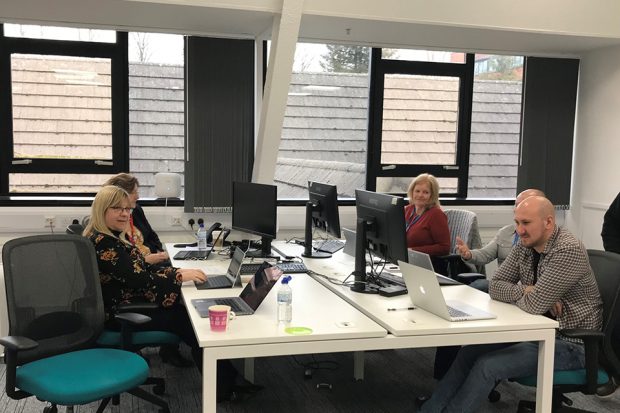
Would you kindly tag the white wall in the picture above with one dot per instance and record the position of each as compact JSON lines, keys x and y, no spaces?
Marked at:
{"x":596,"y":172}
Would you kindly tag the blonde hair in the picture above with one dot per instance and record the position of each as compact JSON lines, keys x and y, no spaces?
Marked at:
{"x":433,"y":186}
{"x":123,"y":180}
{"x":107,"y":197}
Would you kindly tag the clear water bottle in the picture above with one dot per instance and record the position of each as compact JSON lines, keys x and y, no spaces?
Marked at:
{"x":202,"y":238}
{"x":285,"y":301}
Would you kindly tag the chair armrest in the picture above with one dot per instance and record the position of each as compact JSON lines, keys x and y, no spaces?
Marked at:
{"x":133,"y":318}
{"x":591,"y":339}
{"x":136,"y":307}
{"x":18,"y":343}
{"x":469,"y":277}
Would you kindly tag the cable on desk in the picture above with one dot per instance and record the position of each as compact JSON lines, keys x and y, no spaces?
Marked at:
{"x":330,"y":279}
{"x":318,"y":364}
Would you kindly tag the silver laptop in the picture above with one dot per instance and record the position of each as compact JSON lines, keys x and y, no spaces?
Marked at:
{"x":228,"y":280}
{"x":425,"y":292}
{"x":422,"y":259}
{"x":250,"y":298}
{"x":349,"y":245}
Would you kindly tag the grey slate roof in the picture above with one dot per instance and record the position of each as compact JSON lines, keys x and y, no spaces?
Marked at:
{"x":323,"y":136}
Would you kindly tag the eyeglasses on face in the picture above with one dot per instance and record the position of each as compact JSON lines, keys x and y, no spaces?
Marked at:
{"x":121,"y":209}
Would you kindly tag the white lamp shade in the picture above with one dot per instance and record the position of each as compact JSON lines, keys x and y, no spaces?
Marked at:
{"x":167,"y":185}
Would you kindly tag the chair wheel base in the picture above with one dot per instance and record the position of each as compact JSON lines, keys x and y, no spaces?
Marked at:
{"x":50,"y":409}
{"x":159,"y":389}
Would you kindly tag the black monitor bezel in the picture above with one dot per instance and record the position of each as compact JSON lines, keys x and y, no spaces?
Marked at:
{"x":268,"y":192}
{"x":324,"y":198}
{"x":383,"y":213}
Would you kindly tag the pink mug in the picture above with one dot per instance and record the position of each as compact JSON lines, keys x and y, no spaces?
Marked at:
{"x":219,"y":316}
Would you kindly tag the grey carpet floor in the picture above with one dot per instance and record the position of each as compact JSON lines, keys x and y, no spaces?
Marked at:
{"x":392,"y":381}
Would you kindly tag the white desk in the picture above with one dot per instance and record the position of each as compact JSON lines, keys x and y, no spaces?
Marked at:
{"x":337,"y":326}
{"x":419,"y":328}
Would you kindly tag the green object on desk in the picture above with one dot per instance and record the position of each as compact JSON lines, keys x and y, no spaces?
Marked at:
{"x":298,"y":331}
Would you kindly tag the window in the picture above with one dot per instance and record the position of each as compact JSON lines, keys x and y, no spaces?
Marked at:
{"x":85,"y":104}
{"x":453,"y":115}
{"x":419,"y":122}
{"x":325,"y":124}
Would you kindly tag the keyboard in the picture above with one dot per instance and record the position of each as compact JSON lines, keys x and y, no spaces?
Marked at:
{"x":229,"y":302}
{"x":457,"y":313}
{"x":330,"y":245}
{"x":287,"y":267}
{"x":218,"y":281}
{"x":390,"y":278}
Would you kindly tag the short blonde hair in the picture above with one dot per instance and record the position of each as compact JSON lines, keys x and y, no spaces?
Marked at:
{"x":433,"y":185}
{"x":107,"y":197}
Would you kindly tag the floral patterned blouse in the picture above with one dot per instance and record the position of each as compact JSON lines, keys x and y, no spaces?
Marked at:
{"x":126,"y":278}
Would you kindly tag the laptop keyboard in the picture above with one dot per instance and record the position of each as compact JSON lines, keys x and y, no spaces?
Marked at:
{"x":457,"y":313}
{"x":219,"y":281}
{"x":287,"y":267}
{"x":230,"y":302}
{"x":330,"y":245}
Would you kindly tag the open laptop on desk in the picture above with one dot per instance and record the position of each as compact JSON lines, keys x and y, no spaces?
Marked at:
{"x":228,"y":280}
{"x":425,"y":292}
{"x":423,"y":260}
{"x":250,"y":298}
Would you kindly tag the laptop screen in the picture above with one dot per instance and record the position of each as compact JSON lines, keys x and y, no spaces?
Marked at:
{"x":235,"y":263}
{"x":259,"y":286}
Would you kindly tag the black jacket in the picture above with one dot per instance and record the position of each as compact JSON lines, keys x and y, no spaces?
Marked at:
{"x":611,"y":227}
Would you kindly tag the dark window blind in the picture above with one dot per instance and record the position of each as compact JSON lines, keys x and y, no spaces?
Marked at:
{"x":219,"y":124}
{"x":548,"y":121}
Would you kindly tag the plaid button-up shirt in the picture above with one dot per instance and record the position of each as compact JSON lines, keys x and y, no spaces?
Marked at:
{"x":564,"y":275}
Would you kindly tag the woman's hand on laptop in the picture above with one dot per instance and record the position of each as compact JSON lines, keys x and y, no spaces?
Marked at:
{"x":190,"y":274}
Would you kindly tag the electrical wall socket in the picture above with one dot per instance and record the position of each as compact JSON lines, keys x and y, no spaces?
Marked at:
{"x":176,"y":222}
{"x":50,"y":222}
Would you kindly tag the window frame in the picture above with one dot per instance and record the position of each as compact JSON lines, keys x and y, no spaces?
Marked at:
{"x":118,"y":54}
{"x":379,"y":67}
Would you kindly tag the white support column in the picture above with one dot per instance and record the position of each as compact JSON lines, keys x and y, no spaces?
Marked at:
{"x":283,"y":42}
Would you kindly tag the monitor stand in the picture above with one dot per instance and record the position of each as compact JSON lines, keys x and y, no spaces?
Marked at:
{"x":309,"y":252}
{"x":264,"y":252}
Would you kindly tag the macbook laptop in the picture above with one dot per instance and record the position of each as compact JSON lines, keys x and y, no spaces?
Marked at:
{"x":250,"y":298}
{"x":192,"y":254}
{"x":422,"y":259}
{"x":228,"y":280}
{"x":425,"y":292}
{"x":349,"y":242}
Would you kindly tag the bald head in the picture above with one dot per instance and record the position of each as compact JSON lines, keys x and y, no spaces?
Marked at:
{"x":535,"y":221}
{"x":528,"y":193}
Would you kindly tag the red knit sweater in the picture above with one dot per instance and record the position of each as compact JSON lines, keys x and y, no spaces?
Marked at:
{"x":430,"y":233}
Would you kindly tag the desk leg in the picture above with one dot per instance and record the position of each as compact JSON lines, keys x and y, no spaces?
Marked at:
{"x":358,"y":365}
{"x":248,"y":369}
{"x":544,"y":386}
{"x":209,"y":382}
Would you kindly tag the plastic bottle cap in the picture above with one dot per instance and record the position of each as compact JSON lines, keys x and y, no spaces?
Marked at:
{"x":286,"y":279}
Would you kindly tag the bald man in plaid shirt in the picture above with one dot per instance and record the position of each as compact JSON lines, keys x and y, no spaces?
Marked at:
{"x":548,"y":272}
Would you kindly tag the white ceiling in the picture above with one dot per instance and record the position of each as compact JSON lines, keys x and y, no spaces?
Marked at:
{"x":230,"y":19}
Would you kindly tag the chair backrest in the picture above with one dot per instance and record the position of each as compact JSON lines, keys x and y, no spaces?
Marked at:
{"x":53,"y":293}
{"x":606,"y":268}
{"x":463,"y":224}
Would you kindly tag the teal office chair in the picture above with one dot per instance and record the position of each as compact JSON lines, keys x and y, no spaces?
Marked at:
{"x":598,"y":344}
{"x":55,"y":311}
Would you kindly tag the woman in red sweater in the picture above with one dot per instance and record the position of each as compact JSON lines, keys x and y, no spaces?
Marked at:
{"x":426,"y":224}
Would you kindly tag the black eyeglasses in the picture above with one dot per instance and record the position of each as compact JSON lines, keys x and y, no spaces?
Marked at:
{"x":122,"y":209}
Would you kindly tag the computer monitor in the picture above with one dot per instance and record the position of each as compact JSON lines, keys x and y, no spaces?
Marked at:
{"x":254,"y":210}
{"x":321,"y":213}
{"x":380,"y":232}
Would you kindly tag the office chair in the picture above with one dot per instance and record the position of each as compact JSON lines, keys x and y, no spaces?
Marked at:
{"x":462,"y":224}
{"x":598,"y":344}
{"x":56,"y":314}
{"x":139,"y":339}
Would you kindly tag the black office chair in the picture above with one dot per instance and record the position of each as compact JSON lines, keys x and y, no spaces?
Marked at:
{"x":601,"y":357}
{"x":56,"y":315}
